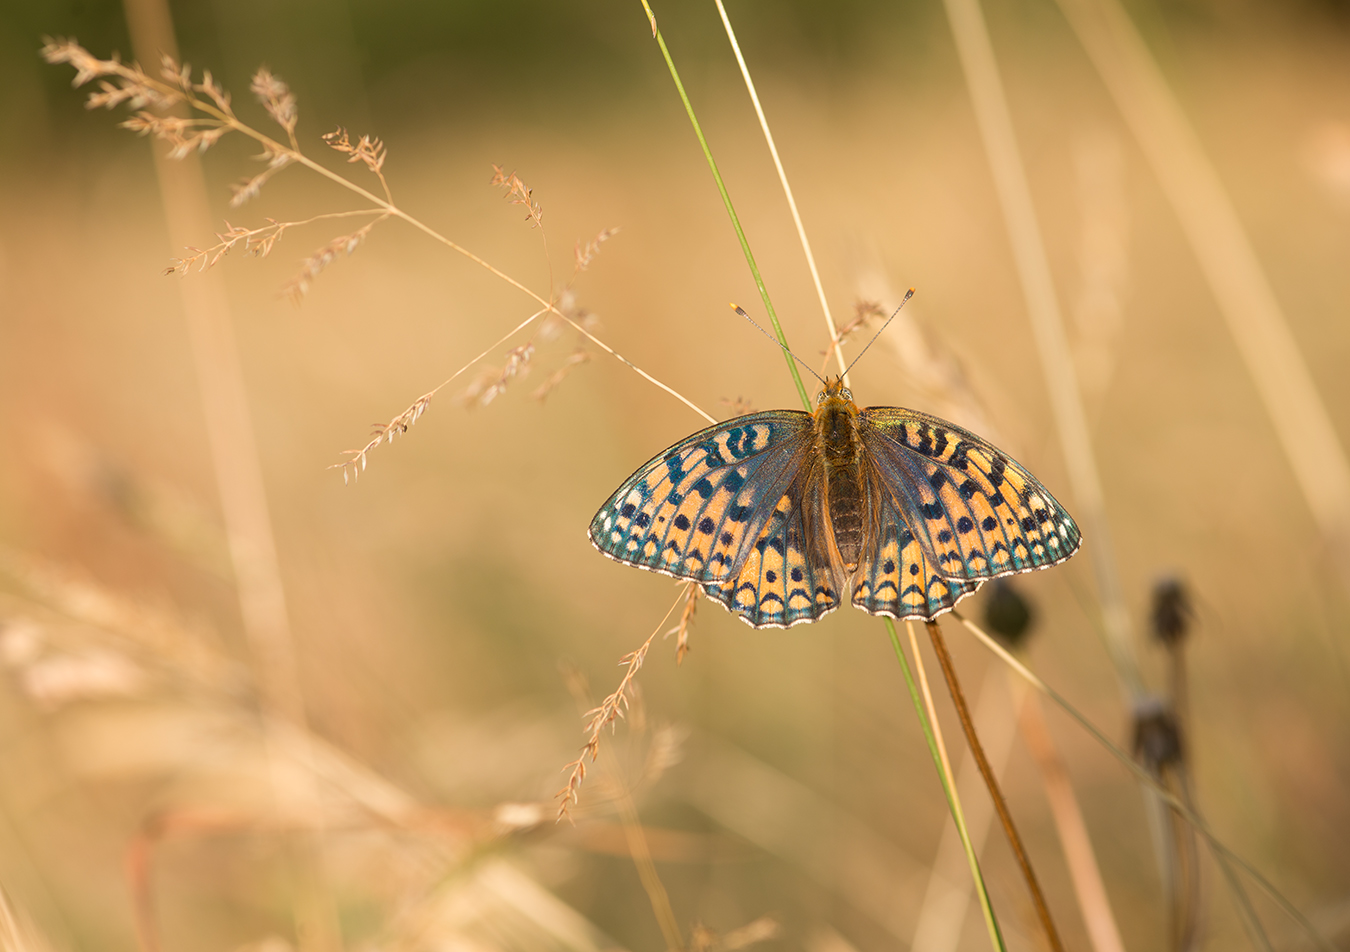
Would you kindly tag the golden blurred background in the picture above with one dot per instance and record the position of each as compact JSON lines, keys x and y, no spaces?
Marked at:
{"x":448,"y":617}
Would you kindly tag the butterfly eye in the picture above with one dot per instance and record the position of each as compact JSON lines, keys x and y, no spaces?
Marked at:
{"x":820,"y":397}
{"x":846,"y":393}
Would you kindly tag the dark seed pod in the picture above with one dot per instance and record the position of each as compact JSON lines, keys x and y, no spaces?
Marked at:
{"x":1171,"y":613}
{"x":1157,"y":736}
{"x":1007,"y":613}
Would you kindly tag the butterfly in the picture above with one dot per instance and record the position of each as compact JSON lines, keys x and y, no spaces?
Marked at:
{"x":782,"y":514}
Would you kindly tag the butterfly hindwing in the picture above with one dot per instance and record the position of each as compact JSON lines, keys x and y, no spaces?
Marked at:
{"x":786,"y":577}
{"x":895,"y":576}
{"x":694,"y":511}
{"x":976,"y":512}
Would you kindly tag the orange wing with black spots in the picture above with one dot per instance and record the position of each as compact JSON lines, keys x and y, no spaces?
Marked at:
{"x":696,"y":510}
{"x":788,"y":576}
{"x":974,"y":511}
{"x":895,"y":576}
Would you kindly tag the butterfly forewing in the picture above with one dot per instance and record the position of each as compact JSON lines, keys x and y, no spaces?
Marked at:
{"x":976,"y":512}
{"x":694,"y":510}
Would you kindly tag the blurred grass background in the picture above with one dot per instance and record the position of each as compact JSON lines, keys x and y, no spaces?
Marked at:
{"x":433,"y":602}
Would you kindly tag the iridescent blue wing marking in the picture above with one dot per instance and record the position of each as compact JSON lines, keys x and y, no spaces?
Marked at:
{"x":976,"y":512}
{"x":696,"y":510}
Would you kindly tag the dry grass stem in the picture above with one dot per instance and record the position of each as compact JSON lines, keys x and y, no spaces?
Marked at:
{"x":255,"y":241}
{"x":991,"y":781}
{"x":864,"y":312}
{"x":610,"y":710}
{"x":575,"y":359}
{"x":703,"y":939}
{"x":1147,"y":780}
{"x":976,"y":53}
{"x":1102,"y":930}
{"x":131,"y":86}
{"x":681,"y":630}
{"x":787,"y":189}
{"x":355,"y":464}
{"x":1297,"y":411}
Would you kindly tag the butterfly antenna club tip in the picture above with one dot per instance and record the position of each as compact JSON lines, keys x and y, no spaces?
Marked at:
{"x":741,"y":311}
{"x":903,"y":301}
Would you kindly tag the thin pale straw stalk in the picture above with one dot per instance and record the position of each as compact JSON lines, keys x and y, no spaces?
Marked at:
{"x":238,"y":470}
{"x":1000,"y":143}
{"x":787,"y":193}
{"x":356,"y":459}
{"x":651,"y":880}
{"x":1147,"y":780}
{"x":946,"y":898}
{"x":1301,"y":420}
{"x":1102,"y":930}
{"x":731,"y":211}
{"x":932,"y":732}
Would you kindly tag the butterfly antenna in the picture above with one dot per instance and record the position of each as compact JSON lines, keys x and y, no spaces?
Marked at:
{"x":741,"y":311}
{"x":908,"y":294}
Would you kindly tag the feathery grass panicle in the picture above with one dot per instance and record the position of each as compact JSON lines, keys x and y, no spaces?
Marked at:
{"x":297,"y":287}
{"x":519,"y":193}
{"x":491,"y":383}
{"x":368,"y":151}
{"x":609,"y":710}
{"x":681,"y":630}
{"x":864,"y":312}
{"x":574,"y":359}
{"x":277,"y":98}
{"x":585,"y":254}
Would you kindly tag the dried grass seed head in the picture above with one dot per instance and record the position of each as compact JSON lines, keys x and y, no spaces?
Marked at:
{"x":277,"y":98}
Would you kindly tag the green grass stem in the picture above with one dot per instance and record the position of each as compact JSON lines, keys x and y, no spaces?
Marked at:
{"x":731,"y":211}
{"x":949,"y":788}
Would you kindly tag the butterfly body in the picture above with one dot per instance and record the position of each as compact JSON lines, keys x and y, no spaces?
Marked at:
{"x":779,"y":514}
{"x":839,"y":446}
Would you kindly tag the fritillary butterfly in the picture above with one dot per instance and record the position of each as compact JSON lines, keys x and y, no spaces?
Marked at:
{"x":781,"y":514}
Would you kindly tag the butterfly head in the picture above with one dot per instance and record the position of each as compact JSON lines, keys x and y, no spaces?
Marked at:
{"x":835,"y":397}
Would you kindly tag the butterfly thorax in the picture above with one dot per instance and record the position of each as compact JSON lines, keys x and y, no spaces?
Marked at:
{"x":840,"y":450}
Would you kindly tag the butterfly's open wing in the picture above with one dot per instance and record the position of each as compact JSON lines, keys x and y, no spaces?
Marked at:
{"x":788,"y":576}
{"x":896,"y":576}
{"x":976,"y":512}
{"x":695,"y":510}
